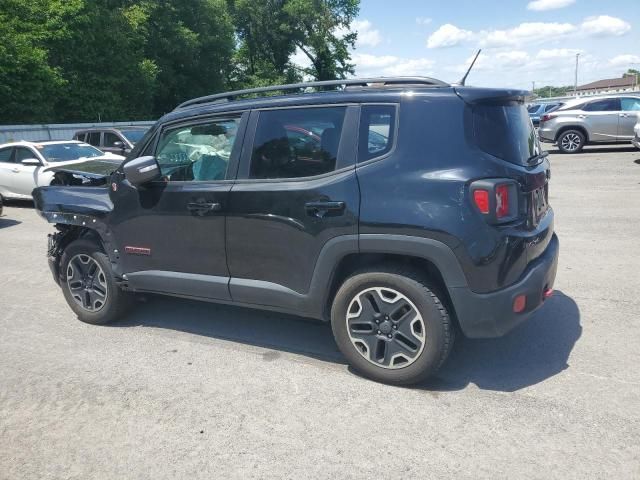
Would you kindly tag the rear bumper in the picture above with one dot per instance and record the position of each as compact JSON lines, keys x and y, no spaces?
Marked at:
{"x":486,"y":315}
{"x":546,"y":135}
{"x":636,"y":142}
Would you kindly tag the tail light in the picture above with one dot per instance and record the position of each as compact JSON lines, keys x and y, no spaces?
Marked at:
{"x":496,"y":199}
{"x":546,"y":117}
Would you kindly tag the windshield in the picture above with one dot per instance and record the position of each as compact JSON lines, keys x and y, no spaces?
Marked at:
{"x":63,"y":152}
{"x":505,"y":131}
{"x":533,"y":108}
{"x":134,"y":136}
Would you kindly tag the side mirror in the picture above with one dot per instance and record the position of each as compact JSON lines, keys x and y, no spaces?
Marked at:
{"x":141,"y":170}
{"x":31,"y":162}
{"x":118,"y":144}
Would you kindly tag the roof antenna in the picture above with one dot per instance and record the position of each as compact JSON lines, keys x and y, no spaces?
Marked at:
{"x":464,"y":79}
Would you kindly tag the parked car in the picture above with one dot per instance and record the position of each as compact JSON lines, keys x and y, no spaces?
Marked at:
{"x":27,"y":165}
{"x":115,"y":140}
{"x":636,"y":134}
{"x":538,"y":109}
{"x":398,"y":242}
{"x":608,"y":119}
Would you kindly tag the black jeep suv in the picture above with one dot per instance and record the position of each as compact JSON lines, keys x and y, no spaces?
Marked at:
{"x":401,"y":210}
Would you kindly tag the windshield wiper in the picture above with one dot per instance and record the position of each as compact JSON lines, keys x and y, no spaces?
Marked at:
{"x":534,"y":158}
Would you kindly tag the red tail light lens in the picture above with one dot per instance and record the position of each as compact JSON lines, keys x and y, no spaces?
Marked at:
{"x":481,"y":199}
{"x":546,"y":117}
{"x":502,"y":201}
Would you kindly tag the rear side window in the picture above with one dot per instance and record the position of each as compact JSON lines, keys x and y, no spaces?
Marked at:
{"x":5,"y":154}
{"x":80,"y":136}
{"x":377,"y":129}
{"x":93,"y":138}
{"x":606,"y":105}
{"x":296,"y":143}
{"x":505,"y":131}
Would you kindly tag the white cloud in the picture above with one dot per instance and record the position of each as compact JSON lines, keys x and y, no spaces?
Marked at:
{"x":605,"y":25}
{"x":390,"y":65}
{"x":367,"y":35}
{"x":526,"y":33}
{"x":625,"y":60}
{"x":557,"y":53}
{"x":448,"y":36}
{"x":423,"y":20}
{"x":540,"y":5}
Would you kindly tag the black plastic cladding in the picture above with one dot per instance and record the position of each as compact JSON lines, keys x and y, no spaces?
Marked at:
{"x":264,"y":248}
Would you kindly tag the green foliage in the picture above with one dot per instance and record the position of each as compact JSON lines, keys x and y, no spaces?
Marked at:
{"x":549,"y":91}
{"x":90,"y":60}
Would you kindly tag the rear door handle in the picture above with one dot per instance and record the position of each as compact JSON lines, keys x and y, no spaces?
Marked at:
{"x":15,"y":170}
{"x":203,"y":207}
{"x":321,"y":208}
{"x":582,"y":116}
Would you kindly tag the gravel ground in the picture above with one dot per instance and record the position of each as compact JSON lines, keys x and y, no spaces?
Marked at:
{"x":187,"y":390}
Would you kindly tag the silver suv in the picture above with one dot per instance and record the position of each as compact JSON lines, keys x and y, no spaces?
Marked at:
{"x":597,"y":120}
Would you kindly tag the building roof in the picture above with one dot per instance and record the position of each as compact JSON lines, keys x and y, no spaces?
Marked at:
{"x":626,"y":81}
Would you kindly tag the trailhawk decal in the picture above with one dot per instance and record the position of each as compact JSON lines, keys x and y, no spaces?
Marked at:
{"x":138,"y":250}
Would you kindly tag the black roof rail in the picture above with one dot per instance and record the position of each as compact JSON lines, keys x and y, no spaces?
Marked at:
{"x":362,"y":82}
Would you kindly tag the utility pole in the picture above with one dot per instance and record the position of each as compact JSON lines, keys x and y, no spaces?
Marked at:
{"x":533,"y":87}
{"x":575,"y":84}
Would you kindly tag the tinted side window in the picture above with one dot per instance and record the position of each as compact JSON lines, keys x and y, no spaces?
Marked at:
{"x":93,"y":138}
{"x":80,"y":136}
{"x":296,"y":143}
{"x":606,"y":105}
{"x":197,"y":152}
{"x":23,"y":154}
{"x":5,"y":154}
{"x":630,"y":104}
{"x":110,"y":139}
{"x":377,"y":129}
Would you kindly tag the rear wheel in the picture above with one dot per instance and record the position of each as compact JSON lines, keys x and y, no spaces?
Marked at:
{"x":391,"y":326}
{"x":89,"y":286}
{"x":571,"y":141}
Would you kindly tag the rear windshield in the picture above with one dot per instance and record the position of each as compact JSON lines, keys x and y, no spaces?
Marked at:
{"x":62,"y":152}
{"x":505,"y":131}
{"x":134,"y":135}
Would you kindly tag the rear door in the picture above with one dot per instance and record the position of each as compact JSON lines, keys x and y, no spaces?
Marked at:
{"x":601,"y":119}
{"x":110,"y":143}
{"x":290,"y":199}
{"x":172,"y":232}
{"x":7,"y":174}
{"x":629,"y":116}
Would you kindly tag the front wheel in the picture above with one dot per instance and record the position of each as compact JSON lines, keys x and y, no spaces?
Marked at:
{"x":89,"y":286}
{"x":571,"y":141}
{"x":391,"y":326}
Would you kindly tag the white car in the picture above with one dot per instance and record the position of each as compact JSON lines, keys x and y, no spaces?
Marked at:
{"x":636,"y":132}
{"x":27,"y":165}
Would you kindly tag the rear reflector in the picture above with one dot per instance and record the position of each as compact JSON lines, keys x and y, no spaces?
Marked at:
{"x":519,"y":303}
{"x":502,"y":201}
{"x":481,"y":198}
{"x":547,"y":293}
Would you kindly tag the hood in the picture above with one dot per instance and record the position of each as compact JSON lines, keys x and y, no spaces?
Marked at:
{"x":93,"y":168}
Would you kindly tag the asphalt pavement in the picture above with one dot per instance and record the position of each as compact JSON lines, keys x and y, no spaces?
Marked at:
{"x":182,"y":389}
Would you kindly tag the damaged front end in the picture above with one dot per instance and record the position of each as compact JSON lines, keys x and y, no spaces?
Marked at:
{"x":76,"y":212}
{"x":90,"y":173}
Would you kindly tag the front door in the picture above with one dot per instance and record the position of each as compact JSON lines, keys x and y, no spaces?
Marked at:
{"x":629,"y":116}
{"x":296,"y":191}
{"x":171,"y":233}
{"x":25,"y":176}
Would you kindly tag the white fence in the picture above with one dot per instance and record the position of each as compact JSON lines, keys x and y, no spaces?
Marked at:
{"x":61,"y":131}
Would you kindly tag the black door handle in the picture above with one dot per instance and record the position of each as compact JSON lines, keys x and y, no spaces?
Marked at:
{"x":321,"y":208}
{"x":203,"y":207}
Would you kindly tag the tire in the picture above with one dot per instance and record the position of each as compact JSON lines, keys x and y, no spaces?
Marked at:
{"x":571,"y":141}
{"x":413,"y":336}
{"x":81,"y":287}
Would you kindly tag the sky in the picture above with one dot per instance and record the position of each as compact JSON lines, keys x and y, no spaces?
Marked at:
{"x":522,"y":41}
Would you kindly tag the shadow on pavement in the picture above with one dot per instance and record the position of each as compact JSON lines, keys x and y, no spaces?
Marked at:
{"x":8,"y":222}
{"x":535,"y":351}
{"x":532,"y":353}
{"x":603,"y":149}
